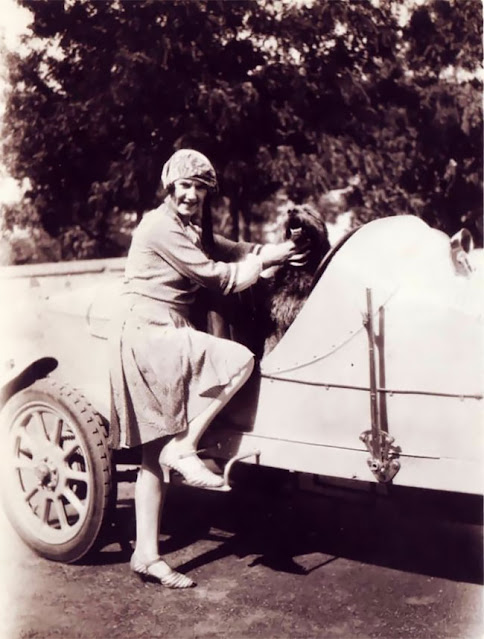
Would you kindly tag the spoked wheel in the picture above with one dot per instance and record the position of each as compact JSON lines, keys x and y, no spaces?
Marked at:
{"x":57,"y":471}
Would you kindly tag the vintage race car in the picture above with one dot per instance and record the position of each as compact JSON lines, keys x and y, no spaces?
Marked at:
{"x":379,"y":379}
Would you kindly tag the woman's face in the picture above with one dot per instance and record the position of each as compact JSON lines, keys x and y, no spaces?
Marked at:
{"x":188,"y":196}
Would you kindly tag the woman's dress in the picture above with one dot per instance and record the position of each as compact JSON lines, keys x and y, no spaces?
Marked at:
{"x":164,"y":372}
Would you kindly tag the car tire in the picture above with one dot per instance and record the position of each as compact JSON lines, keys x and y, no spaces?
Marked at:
{"x":57,"y":470}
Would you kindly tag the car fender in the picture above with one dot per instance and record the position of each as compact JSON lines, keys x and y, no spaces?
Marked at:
{"x":18,"y":374}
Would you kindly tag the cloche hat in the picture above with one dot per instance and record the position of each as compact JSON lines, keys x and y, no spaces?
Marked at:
{"x":188,"y":163}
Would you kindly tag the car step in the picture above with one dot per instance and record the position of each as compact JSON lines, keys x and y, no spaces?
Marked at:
{"x":175,"y":479}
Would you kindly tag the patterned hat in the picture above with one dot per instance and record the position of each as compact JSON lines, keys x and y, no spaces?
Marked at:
{"x":188,"y":163}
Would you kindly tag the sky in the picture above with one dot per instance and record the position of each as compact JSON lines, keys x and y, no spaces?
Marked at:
{"x":13,"y":22}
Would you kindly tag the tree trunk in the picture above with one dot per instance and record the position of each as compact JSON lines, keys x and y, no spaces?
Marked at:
{"x":246,"y":219}
{"x":234,"y":216}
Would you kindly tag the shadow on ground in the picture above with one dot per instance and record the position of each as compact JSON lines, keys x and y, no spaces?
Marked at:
{"x":267,"y":516}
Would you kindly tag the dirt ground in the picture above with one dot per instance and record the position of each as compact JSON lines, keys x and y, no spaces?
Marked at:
{"x":271,"y":561}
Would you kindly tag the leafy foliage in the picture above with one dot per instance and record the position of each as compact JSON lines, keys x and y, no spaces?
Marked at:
{"x":307,"y":98}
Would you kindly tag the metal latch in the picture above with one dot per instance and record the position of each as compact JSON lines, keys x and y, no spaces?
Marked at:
{"x":382,"y":463}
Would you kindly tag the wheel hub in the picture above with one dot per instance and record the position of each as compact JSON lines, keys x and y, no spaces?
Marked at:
{"x":47,"y":474}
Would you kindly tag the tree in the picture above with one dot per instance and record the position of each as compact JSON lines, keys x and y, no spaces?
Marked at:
{"x":278,"y":95}
{"x":393,"y":106}
{"x":444,"y":56}
{"x":115,"y":88}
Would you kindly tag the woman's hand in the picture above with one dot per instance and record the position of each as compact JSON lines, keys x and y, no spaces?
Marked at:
{"x":288,"y":251}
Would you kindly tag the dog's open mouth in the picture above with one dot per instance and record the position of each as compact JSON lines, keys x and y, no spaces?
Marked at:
{"x":294,"y":231}
{"x":294,"y":225}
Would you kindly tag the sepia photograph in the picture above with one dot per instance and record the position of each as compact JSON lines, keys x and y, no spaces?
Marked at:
{"x":241,"y":319}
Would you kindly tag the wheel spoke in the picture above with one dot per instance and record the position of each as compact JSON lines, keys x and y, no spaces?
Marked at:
{"x":61,"y":513}
{"x":34,"y":491}
{"x":56,"y":437}
{"x":38,"y":417}
{"x":68,"y":452}
{"x":77,"y":475}
{"x":30,"y":442}
{"x":24,"y":463}
{"x":74,"y":500}
{"x":45,"y":509}
{"x":25,"y":440}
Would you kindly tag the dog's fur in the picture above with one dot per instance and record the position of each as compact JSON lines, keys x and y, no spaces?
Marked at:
{"x":286,"y":291}
{"x":268,"y":309}
{"x":259,"y":316}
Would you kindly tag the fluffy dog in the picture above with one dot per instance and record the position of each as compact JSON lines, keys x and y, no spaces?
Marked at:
{"x":258,"y":317}
{"x":280,"y":296}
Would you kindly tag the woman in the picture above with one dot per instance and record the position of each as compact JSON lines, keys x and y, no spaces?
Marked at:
{"x":168,"y":379}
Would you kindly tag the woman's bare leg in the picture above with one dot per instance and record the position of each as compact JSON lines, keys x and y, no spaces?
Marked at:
{"x":149,"y":497}
{"x":150,"y":493}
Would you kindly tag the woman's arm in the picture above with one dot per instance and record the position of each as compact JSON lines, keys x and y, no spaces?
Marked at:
{"x":230,"y":251}
{"x":271,"y":254}
{"x":172,"y":243}
{"x":268,"y":255}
